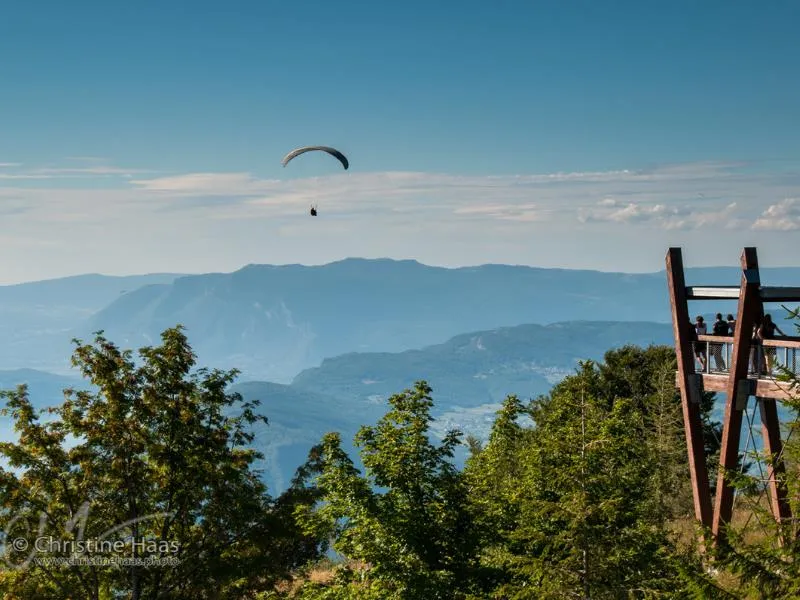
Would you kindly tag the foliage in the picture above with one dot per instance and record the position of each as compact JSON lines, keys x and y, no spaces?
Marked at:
{"x":161,"y":453}
{"x":646,"y":376}
{"x":407,"y":517}
{"x":583,"y":503}
{"x":569,"y":504}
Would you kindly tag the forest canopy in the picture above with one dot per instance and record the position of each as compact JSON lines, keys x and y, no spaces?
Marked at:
{"x":584,"y":492}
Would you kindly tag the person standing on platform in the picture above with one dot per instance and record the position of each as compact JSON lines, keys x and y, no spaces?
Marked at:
{"x":700,"y":348}
{"x":720,"y":328}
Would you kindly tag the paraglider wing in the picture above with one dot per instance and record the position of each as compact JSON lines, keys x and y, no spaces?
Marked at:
{"x":332,"y":151}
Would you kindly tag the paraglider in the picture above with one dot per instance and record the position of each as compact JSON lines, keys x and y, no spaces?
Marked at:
{"x":332,"y":151}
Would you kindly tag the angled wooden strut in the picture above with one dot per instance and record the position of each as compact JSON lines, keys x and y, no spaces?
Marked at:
{"x":692,"y":420}
{"x":736,"y":393}
{"x":773,"y":448}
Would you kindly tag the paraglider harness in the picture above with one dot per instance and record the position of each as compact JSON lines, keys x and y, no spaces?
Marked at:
{"x":313,"y":211}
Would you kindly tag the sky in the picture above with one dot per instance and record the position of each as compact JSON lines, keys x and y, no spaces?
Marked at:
{"x":148,"y":136}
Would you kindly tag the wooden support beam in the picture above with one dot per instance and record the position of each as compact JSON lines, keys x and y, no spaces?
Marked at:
{"x":727,"y":292}
{"x":749,"y":307}
{"x":712,"y":292}
{"x":761,"y":388}
{"x":780,"y":294}
{"x":692,"y":421}
{"x":773,"y":447}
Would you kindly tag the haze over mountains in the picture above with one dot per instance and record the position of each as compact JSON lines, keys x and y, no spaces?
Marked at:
{"x":323,"y":347}
{"x":271,"y":322}
{"x":38,"y":319}
{"x":470,"y":373}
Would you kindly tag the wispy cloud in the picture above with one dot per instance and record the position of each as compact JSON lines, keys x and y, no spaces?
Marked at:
{"x":212,"y":184}
{"x":95,"y":167}
{"x":96,"y":170}
{"x":783,"y":216}
{"x":90,"y":159}
{"x":11,"y":176}
{"x":509,"y":212}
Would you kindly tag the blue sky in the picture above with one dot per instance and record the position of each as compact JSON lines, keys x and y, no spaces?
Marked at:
{"x":147,"y":136}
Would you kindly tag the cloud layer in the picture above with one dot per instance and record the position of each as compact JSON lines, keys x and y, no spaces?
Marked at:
{"x":210,"y":219}
{"x":687,"y":197}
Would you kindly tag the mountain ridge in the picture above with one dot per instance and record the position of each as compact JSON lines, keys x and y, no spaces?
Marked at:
{"x":276,"y":320}
{"x":708,"y":269}
{"x":273,"y":321}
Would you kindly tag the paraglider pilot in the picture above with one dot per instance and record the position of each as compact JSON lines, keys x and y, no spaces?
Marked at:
{"x":313,"y":210}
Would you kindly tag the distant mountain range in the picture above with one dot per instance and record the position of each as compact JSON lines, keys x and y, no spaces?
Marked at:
{"x":274,"y":321}
{"x":38,"y":319}
{"x":470,"y":375}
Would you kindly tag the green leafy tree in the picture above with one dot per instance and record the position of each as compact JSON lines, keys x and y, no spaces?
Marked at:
{"x":406,"y":519}
{"x":158,"y":459}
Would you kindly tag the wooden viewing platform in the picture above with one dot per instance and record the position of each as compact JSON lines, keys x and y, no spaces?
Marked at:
{"x":784,"y":349}
{"x":735,"y":367}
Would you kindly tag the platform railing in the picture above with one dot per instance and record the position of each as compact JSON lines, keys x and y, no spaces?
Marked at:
{"x":766,"y":356}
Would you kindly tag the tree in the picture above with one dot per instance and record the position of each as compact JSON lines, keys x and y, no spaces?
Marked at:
{"x":407,"y":518}
{"x":156,"y":460}
{"x":647,"y":377}
{"x":494,"y":476}
{"x":581,"y":503}
{"x":593,"y":467}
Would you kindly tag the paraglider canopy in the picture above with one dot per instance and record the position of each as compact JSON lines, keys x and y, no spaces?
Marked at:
{"x":332,"y":151}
